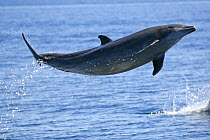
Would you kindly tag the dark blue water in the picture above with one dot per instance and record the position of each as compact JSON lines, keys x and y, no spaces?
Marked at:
{"x":43,"y":103}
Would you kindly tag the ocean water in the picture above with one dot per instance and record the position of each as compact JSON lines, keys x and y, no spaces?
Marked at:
{"x":44,"y":103}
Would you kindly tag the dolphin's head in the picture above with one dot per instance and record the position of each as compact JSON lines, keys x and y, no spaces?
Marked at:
{"x":176,"y":32}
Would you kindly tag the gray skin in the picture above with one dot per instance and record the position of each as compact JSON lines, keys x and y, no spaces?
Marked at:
{"x":121,"y":55}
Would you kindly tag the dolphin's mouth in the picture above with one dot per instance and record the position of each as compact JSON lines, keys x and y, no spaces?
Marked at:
{"x":190,"y":29}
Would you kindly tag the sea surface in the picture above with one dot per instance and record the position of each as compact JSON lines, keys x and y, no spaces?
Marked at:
{"x":44,"y":103}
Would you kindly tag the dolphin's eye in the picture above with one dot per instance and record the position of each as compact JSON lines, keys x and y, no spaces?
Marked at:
{"x":170,"y":27}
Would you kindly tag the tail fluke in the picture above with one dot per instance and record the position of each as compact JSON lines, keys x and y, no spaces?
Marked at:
{"x":37,"y":56}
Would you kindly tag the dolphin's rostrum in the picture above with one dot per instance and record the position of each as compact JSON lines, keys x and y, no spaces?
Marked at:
{"x":121,"y":55}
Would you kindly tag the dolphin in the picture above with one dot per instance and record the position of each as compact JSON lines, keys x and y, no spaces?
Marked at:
{"x":127,"y":53}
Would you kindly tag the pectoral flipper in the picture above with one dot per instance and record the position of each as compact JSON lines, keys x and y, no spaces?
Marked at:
{"x":158,"y":64}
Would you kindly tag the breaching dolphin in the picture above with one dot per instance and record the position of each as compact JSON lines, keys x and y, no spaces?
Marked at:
{"x":121,"y":55}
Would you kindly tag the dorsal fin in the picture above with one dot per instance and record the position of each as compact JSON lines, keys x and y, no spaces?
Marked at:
{"x":158,"y":64}
{"x":104,"y":39}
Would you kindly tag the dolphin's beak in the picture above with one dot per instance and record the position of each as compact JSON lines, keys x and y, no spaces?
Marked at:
{"x":190,"y":29}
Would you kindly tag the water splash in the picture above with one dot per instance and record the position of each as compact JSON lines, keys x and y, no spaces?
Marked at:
{"x":189,"y":100}
{"x":14,"y":88}
{"x":16,"y":83}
